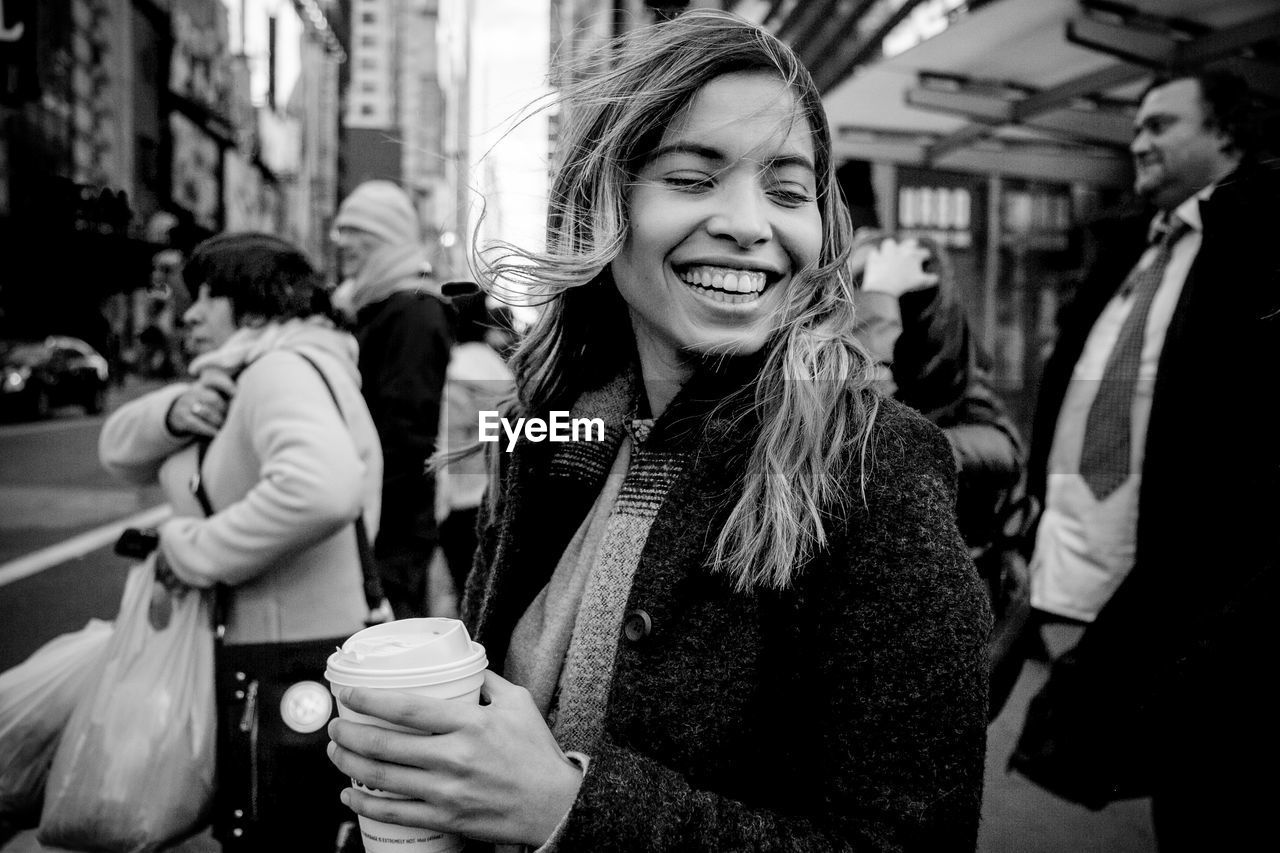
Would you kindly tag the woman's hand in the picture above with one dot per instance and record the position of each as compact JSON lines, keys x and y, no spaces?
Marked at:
{"x":202,"y":408}
{"x":490,"y":772}
{"x":897,"y":267}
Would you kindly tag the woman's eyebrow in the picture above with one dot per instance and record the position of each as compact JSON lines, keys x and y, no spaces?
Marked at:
{"x":706,"y":152}
{"x":784,"y":160}
{"x":703,"y":151}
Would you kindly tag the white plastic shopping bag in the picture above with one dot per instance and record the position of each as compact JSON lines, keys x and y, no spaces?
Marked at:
{"x":36,"y":698}
{"x":134,"y":770}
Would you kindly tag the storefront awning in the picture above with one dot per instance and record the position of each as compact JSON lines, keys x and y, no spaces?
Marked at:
{"x":1042,"y":89}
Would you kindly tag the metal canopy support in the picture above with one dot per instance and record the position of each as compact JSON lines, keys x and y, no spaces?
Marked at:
{"x":991,"y":109}
{"x":1042,"y":161}
{"x":1161,"y":50}
{"x":1106,"y":126}
{"x":774,"y":8}
{"x":833,"y":69}
{"x":1141,"y":46}
{"x":1101,"y":124}
{"x":796,"y":26}
{"x":832,"y":31}
{"x":1142,"y":50}
{"x":1086,"y":84}
{"x":1042,"y":102}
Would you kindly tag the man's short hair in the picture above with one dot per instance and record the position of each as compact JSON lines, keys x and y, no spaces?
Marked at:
{"x":1229,"y":105}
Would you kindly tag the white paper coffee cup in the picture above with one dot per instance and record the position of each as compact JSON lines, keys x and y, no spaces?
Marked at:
{"x":427,"y":657}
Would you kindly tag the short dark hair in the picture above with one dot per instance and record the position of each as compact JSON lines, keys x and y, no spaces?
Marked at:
{"x":1229,"y":104}
{"x":261,"y":274}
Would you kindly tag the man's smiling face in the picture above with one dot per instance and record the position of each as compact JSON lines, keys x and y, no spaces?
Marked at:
{"x":1176,"y":150}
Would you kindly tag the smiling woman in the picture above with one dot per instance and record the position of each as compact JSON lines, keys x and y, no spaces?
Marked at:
{"x":746,"y":614}
{"x":723,"y":215}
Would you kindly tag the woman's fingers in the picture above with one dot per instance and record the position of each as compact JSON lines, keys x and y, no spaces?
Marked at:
{"x":410,"y":749}
{"x":408,"y":781}
{"x":498,"y":690}
{"x":199,"y":411}
{"x":218,"y":381}
{"x":419,"y":713}
{"x":492,"y":771}
{"x":410,"y":813}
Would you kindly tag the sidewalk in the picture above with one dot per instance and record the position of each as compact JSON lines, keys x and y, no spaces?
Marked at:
{"x":1018,"y":817}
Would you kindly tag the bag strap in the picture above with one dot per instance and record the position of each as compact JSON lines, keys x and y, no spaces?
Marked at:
{"x":373,"y":594}
{"x":221,"y":591}
{"x":372,"y":581}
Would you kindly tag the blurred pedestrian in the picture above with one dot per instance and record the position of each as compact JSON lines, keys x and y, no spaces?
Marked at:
{"x":744,"y":608}
{"x":159,"y":343}
{"x":910,"y":319}
{"x":271,"y":434}
{"x":477,"y":380}
{"x":1155,"y":455}
{"x":402,"y":324}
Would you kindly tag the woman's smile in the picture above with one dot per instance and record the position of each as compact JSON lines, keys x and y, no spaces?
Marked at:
{"x":723,"y":214}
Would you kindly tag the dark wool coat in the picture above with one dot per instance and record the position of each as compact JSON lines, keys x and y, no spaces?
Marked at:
{"x":1166,"y":688}
{"x":404,"y":350}
{"x":845,"y":713}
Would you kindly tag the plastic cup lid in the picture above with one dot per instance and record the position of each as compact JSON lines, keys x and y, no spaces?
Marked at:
{"x":406,"y":645}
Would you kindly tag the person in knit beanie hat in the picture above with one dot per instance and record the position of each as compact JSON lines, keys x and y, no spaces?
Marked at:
{"x":382,"y":209}
{"x":402,"y":323}
{"x":376,"y":226}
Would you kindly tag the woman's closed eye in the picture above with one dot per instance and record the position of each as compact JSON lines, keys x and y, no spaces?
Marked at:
{"x":694,"y":182}
{"x":791,"y":195}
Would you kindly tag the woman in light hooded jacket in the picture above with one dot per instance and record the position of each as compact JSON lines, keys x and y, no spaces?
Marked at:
{"x":286,"y":466}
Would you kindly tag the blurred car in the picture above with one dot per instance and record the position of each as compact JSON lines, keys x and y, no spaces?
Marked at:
{"x":36,"y":377}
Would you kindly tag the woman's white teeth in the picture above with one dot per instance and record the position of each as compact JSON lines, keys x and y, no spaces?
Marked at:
{"x":725,"y":279}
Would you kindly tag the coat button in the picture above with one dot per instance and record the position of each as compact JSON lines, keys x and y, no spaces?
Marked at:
{"x":636,"y":625}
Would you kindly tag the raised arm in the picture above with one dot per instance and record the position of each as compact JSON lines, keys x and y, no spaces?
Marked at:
{"x":310,"y":483}
{"x":135,"y":441}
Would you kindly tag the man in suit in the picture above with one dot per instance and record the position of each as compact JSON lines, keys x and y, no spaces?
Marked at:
{"x":1154,"y":456}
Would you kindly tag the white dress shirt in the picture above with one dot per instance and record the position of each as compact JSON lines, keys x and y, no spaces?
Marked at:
{"x":1085,"y":546}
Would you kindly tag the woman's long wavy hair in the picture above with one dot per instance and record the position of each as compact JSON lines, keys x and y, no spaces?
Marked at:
{"x":812,"y":397}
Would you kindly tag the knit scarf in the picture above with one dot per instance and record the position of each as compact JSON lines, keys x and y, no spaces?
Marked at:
{"x":563,"y":648}
{"x":388,"y":270}
{"x":250,"y":342}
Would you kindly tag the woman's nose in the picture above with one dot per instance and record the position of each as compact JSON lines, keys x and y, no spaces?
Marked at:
{"x":742,"y":215}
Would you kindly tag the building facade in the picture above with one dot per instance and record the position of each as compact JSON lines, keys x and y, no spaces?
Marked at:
{"x":134,"y":126}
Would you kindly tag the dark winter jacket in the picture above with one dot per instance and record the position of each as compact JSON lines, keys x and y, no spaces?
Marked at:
{"x":847,"y":712}
{"x":404,"y":350}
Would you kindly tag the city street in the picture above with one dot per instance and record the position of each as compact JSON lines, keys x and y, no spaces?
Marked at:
{"x":57,"y":568}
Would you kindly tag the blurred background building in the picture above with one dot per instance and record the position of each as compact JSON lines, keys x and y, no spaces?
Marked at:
{"x":134,"y":126}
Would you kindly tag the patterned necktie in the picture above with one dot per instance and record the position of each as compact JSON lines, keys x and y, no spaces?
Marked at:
{"x":1104,"y":458}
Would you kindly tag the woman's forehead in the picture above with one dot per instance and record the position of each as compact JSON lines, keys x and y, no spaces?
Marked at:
{"x":744,"y":114}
